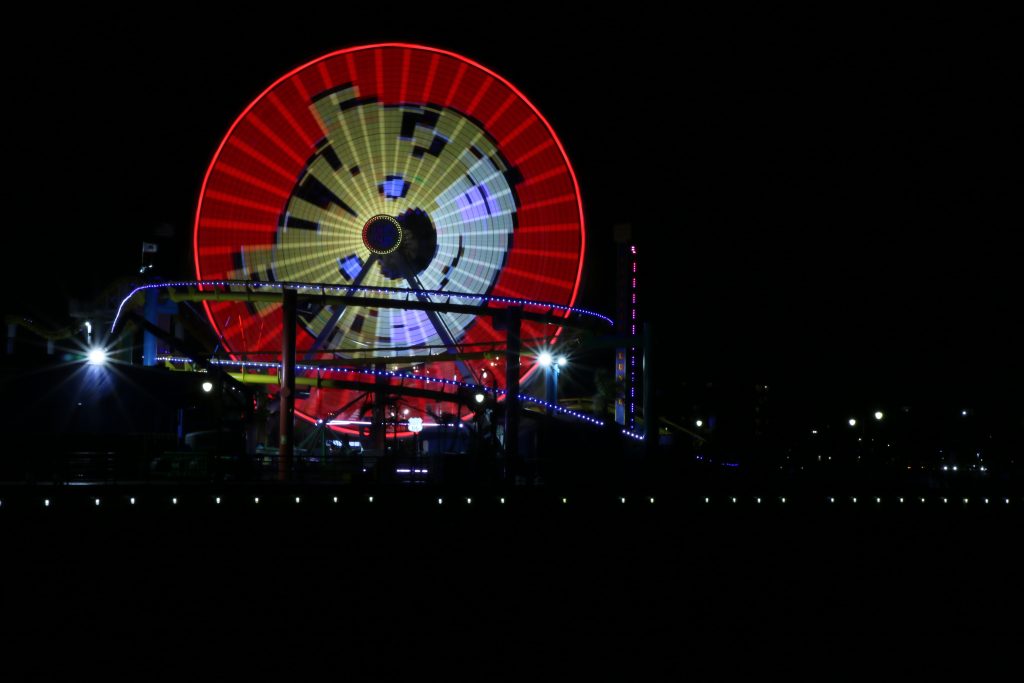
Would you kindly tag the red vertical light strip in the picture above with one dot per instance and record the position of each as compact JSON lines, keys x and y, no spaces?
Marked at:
{"x":406,"y":58}
{"x":378,"y":71}
{"x":501,"y":110}
{"x":299,"y":130}
{"x":428,"y":83}
{"x":455,"y":84}
{"x":350,"y":64}
{"x":517,"y":131}
{"x":479,"y":95}
{"x":301,"y":89}
{"x":322,"y":68}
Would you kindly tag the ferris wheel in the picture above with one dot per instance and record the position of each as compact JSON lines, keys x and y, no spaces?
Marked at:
{"x":393,"y":166}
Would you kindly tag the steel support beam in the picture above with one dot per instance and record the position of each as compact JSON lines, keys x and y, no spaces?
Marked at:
{"x":379,"y":428}
{"x":513,"y":345}
{"x":286,"y":445}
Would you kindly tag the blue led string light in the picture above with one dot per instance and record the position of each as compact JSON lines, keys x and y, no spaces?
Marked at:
{"x":349,"y":289}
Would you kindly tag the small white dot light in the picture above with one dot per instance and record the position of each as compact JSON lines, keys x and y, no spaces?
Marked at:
{"x":545,"y":358}
{"x":852,"y":422}
{"x":479,"y":398}
{"x":207,"y":386}
{"x":879,"y":414}
{"x":699,"y":423}
{"x":562,"y":360}
{"x":46,"y":502}
{"x":97,"y":356}
{"x":97,"y":501}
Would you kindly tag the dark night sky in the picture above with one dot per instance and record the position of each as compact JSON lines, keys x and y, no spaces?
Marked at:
{"x":825,"y":200}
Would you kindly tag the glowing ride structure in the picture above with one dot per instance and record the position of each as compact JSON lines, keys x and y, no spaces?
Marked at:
{"x":381,"y":173}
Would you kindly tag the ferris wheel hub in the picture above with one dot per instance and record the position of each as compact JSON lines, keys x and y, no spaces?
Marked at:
{"x":382,"y":234}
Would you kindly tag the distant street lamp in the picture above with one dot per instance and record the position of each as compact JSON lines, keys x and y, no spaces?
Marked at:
{"x":879,"y":415}
{"x":552,"y":368}
{"x":852,"y":422}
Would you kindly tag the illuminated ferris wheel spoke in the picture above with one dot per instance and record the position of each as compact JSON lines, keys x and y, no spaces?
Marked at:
{"x":342,"y":149}
{"x":254,"y":154}
{"x":339,"y":310}
{"x":347,"y":142}
{"x":500,"y":111}
{"x":314,"y":192}
{"x":288,"y":116}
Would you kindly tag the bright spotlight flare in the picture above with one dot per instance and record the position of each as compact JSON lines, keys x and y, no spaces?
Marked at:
{"x":546,"y":359}
{"x":96,"y":356}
